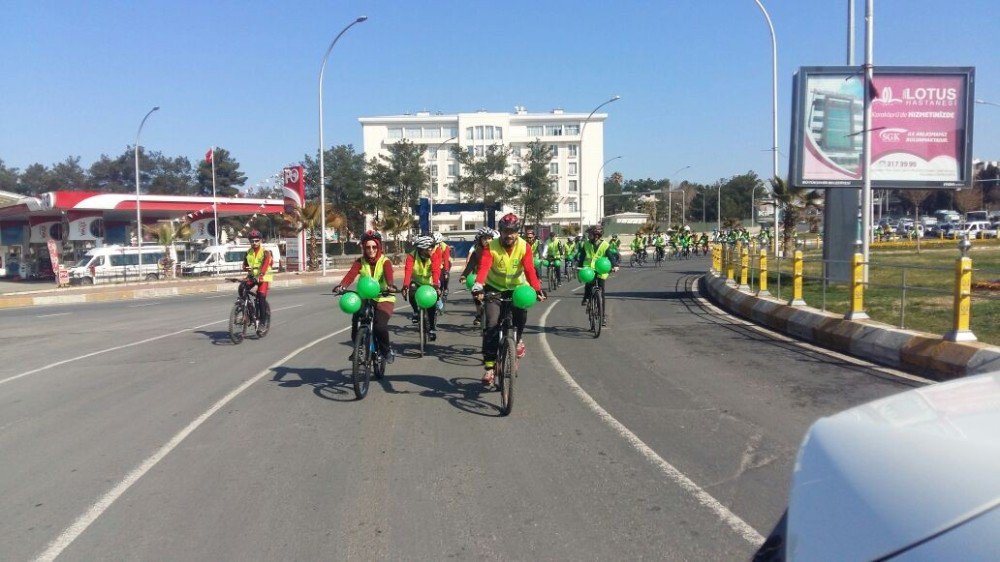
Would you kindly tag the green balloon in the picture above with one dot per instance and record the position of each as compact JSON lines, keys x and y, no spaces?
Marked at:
{"x":524,"y":297}
{"x":425,"y":296}
{"x":469,"y":282}
{"x":558,"y":263}
{"x":585,"y":274}
{"x":538,"y":263}
{"x":603,"y":265}
{"x":350,"y":302}
{"x":368,"y":287}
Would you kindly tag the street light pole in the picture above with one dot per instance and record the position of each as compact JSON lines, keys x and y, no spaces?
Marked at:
{"x":774,"y":114}
{"x":984,"y":102}
{"x":600,"y":200}
{"x":430,"y":217}
{"x":138,"y":211}
{"x":322,"y":170}
{"x":670,"y":197}
{"x":583,"y":129}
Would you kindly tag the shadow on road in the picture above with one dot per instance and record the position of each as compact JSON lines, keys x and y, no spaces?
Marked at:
{"x":462,"y":393}
{"x":327,"y":384}
{"x":216,"y":337}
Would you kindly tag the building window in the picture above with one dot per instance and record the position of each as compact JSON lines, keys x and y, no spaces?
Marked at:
{"x":470,"y":150}
{"x":572,"y":207}
{"x":432,"y":132}
{"x":413,"y":132}
{"x":480,"y":151}
{"x":395,"y":133}
{"x":555,"y":209}
{"x":572,"y":150}
{"x":450,"y":132}
{"x":452,"y":169}
{"x":554,"y":130}
{"x":534,"y":130}
{"x":572,"y":168}
{"x":479,"y":133}
{"x":434,"y":171}
{"x":432,"y":154}
{"x":572,"y":186}
{"x":572,"y":129}
{"x":554,"y":150}
{"x":489,"y":133}
{"x":498,"y":133}
{"x":554,"y":168}
{"x":468,"y":133}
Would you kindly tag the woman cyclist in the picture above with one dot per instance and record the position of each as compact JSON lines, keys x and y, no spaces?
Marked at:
{"x":373,"y":264}
{"x":423,"y":267}
{"x":483,"y":237}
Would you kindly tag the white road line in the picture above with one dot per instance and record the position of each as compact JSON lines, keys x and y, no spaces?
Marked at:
{"x":217,"y":297}
{"x":143,"y":304}
{"x":72,"y":532}
{"x":133,"y":344}
{"x":53,"y":315}
{"x":704,"y":498}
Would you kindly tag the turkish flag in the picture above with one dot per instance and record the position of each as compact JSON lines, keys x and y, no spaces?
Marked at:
{"x":208,"y":155}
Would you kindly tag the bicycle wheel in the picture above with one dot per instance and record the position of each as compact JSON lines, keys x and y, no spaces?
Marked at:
{"x":506,"y":371}
{"x":633,"y":260}
{"x":264,"y":327}
{"x":361,"y":367}
{"x":236,"y":320}
{"x":552,"y":280}
{"x":597,"y":314}
{"x":423,"y":331}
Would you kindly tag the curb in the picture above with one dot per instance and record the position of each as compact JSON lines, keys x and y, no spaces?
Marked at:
{"x":919,"y":353}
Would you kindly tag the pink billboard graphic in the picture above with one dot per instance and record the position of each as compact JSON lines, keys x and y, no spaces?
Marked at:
{"x":921,"y":128}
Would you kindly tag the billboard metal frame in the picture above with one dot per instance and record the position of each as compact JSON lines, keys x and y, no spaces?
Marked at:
{"x":799,"y":116}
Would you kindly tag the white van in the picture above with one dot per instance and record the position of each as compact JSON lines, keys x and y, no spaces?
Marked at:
{"x":974,"y":229}
{"x":227,"y":259}
{"x":111,"y":264}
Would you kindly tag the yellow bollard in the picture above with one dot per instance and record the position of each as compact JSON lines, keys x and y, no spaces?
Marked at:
{"x":762,"y":261}
{"x":744,"y":267}
{"x":857,"y":311}
{"x":963,"y":302}
{"x":730,"y":264}
{"x":717,"y":258}
{"x":797,"y":279}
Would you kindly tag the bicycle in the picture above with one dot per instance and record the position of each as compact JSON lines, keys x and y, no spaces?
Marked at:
{"x":368,"y":361}
{"x":595,"y":309}
{"x":553,"y":282}
{"x":638,"y":258}
{"x":244,"y":314}
{"x":505,"y":370}
{"x":658,"y":262}
{"x":422,"y":323}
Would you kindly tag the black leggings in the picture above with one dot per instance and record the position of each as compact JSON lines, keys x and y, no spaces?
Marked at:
{"x":383,"y":311}
{"x":490,"y":334}
{"x":589,"y":288}
{"x":431,"y":312}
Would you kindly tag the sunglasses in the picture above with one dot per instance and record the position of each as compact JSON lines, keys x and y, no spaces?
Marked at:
{"x":371,"y":246}
{"x":255,"y":241}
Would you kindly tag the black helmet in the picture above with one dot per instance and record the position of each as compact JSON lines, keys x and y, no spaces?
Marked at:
{"x":254,"y":234}
{"x":371,"y":235}
{"x":510,"y":222}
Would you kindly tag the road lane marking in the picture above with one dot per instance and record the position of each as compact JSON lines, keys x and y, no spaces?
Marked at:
{"x":53,"y":315}
{"x":704,"y":498}
{"x":66,"y":538}
{"x":127,"y":345}
{"x":143,"y":304}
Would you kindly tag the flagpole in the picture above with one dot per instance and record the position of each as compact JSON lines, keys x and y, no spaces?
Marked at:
{"x":215,"y":208}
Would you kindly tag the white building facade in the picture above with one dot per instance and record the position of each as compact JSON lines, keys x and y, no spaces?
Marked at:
{"x":577,"y":146}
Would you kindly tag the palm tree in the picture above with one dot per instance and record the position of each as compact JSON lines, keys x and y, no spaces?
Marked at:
{"x":166,"y":234}
{"x":793,"y":202}
{"x":571,"y":229}
{"x":395,"y":223}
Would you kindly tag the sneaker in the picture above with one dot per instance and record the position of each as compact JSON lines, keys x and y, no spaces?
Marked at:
{"x":414,"y":319}
{"x":488,"y":377}
{"x":390,"y":357}
{"x":521,"y":349}
{"x":604,"y":321}
{"x":351,"y":357}
{"x":584,"y":302}
{"x":476,"y":322}
{"x":432,"y":335}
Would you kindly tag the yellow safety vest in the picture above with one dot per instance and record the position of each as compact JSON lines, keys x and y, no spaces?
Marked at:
{"x":379,"y":275}
{"x":254,"y":261}
{"x":507,"y":272}
{"x":592,"y":255}
{"x":421,"y":270}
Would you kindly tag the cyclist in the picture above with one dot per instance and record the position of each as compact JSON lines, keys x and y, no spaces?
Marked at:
{"x":505,"y":265}
{"x":570,"y":254}
{"x":660,"y":243}
{"x":483,"y":237}
{"x":444,"y":253}
{"x":551,"y":251}
{"x":616,"y":256}
{"x":533,"y":243}
{"x":423,"y":267}
{"x":374,"y":264}
{"x":593,"y":249}
{"x":258,"y":265}
{"x":703,"y":241}
{"x":638,"y":248}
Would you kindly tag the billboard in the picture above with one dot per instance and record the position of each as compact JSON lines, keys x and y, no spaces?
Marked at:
{"x":921,"y":127}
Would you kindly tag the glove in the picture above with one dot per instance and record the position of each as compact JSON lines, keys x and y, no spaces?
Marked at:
{"x":477,"y":288}
{"x":337,"y":289}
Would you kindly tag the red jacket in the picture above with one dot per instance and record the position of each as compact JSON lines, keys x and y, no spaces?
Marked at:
{"x":528,"y":262}
{"x":435,"y":269}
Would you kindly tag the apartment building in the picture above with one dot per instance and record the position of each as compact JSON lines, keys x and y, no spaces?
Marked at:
{"x":577,"y":146}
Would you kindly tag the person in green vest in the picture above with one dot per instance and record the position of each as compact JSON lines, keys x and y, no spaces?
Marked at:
{"x":506,"y":265}
{"x":423,"y":267}
{"x":374,"y":264}
{"x":660,"y":243}
{"x":258,"y":265}
{"x":614,"y":252}
{"x":554,"y":250}
{"x":593,"y":249}
{"x":532,"y":241}
{"x":638,"y":245}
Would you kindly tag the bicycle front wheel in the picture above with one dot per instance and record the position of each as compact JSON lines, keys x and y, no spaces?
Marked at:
{"x":361,"y":367}
{"x":237,"y":319}
{"x":552,"y":280}
{"x":423,"y":331}
{"x":506,"y":371}
{"x":597,"y":312}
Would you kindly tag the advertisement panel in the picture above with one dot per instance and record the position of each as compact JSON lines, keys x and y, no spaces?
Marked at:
{"x":86,"y":225}
{"x":294,"y":190}
{"x":921,"y":127}
{"x":44,"y":229}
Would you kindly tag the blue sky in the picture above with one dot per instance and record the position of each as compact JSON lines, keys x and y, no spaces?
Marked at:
{"x":694,"y":75}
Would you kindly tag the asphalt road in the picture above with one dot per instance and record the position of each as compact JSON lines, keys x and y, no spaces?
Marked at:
{"x":137,"y":431}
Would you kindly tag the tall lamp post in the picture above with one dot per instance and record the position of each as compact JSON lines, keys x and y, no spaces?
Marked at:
{"x":138,"y":211}
{"x":774,"y":115}
{"x":984,"y":102}
{"x":670,"y":198}
{"x":600,"y":200}
{"x":583,"y":129}
{"x":433,"y":187}
{"x":322,"y":170}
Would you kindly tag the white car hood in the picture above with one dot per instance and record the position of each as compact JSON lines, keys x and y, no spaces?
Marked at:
{"x":882,"y":476}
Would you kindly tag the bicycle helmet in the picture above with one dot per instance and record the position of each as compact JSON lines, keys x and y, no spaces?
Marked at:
{"x":510,"y":222}
{"x":371,"y":235}
{"x":438,"y":238}
{"x":495,"y":233}
{"x":254,"y":234}
{"x":484,"y":231}
{"x":597,"y":230}
{"x":423,"y":242}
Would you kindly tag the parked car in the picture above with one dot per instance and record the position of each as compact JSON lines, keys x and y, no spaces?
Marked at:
{"x":226,"y":258}
{"x":117,"y":263}
{"x":973,"y":230}
{"x":908,"y":477}
{"x":928,"y":221}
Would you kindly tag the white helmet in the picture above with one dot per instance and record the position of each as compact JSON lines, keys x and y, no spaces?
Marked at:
{"x":423,"y":242}
{"x":438,"y":238}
